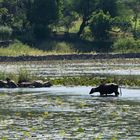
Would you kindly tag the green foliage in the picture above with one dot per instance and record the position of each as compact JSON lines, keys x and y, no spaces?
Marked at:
{"x":137,"y":33}
{"x":69,"y":21}
{"x":32,"y":21}
{"x":108,"y":6}
{"x":19,"y":49}
{"x":5,"y":32}
{"x":123,"y":23}
{"x":53,"y":46}
{"x":41,"y":15}
{"x":63,"y":48}
{"x":85,"y":7}
{"x":85,"y":10}
{"x":2,"y":75}
{"x":135,"y":7}
{"x":24,"y":75}
{"x":126,"y":45}
{"x":40,"y":31}
{"x":100,"y":26}
{"x":96,"y":80}
{"x":43,"y":12}
{"x":3,"y":13}
{"x":80,"y":130}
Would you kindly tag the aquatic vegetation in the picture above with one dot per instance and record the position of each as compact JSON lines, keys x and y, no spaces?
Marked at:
{"x":24,"y":75}
{"x":122,"y":80}
{"x":81,"y":130}
{"x":99,"y":137}
{"x":62,"y":114}
{"x":124,"y":72}
{"x":62,"y":133}
{"x":69,"y":112}
{"x":96,"y":80}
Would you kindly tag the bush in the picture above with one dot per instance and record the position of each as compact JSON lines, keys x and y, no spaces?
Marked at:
{"x":56,"y":47}
{"x":63,"y":48}
{"x":19,"y":49}
{"x":24,"y":75}
{"x":127,"y":45}
{"x":100,"y":26}
{"x":137,"y":33}
{"x":5,"y":32}
{"x":41,"y":32}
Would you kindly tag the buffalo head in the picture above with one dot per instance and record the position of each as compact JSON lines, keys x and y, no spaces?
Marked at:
{"x":92,"y":91}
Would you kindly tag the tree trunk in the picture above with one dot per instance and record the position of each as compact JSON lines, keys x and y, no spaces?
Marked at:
{"x":135,"y":25}
{"x":82,"y":26}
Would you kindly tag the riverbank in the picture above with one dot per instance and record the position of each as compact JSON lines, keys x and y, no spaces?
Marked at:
{"x":68,"y":57}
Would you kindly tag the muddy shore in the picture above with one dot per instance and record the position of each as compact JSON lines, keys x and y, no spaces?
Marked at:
{"x":67,"y":57}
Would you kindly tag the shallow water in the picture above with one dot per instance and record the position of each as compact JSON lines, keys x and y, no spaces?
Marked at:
{"x":68,"y":113}
{"x":77,"y":68}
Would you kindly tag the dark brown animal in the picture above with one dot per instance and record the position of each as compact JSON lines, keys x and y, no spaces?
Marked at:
{"x":25,"y":84}
{"x":3,"y":84}
{"x":35,"y":84}
{"x":47,"y":84}
{"x":11,"y":83}
{"x":106,"y":89}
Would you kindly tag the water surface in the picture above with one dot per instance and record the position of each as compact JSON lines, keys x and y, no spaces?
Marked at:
{"x":76,"y":68}
{"x":68,"y":113}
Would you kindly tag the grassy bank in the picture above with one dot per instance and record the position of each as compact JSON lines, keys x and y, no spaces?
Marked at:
{"x":70,"y":47}
{"x":53,"y":47}
{"x":19,"y":49}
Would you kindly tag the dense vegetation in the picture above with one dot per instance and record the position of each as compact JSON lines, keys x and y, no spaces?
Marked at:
{"x":98,"y":25}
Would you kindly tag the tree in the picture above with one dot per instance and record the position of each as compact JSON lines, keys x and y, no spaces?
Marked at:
{"x":13,"y":15}
{"x":7,"y":12}
{"x":69,"y":15}
{"x":69,"y":21}
{"x":84,"y":8}
{"x":135,"y":6}
{"x":108,"y":6}
{"x":100,"y":26}
{"x":123,"y":23}
{"x":42,"y":14}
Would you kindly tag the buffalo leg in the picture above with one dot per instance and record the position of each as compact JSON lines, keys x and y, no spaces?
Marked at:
{"x":101,"y":94}
{"x":116,"y":94}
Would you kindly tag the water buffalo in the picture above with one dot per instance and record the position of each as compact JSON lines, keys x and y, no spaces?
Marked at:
{"x":34,"y":84}
{"x":105,"y":89}
{"x":25,"y":85}
{"x":40,"y":83}
{"x":3,"y":84}
{"x":11,"y":83}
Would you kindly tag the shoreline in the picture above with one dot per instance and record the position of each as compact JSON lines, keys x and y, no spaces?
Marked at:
{"x":69,"y":57}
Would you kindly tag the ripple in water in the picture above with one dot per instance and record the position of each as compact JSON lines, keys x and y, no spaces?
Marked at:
{"x":68,"y":113}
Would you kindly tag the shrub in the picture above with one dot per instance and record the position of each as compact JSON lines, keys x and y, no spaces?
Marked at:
{"x":63,"y":48}
{"x":5,"y":32}
{"x":57,"y":47}
{"x":24,"y":75}
{"x":19,"y":49}
{"x":41,"y":32}
{"x":100,"y":25}
{"x":127,"y":45}
{"x":137,"y":33}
